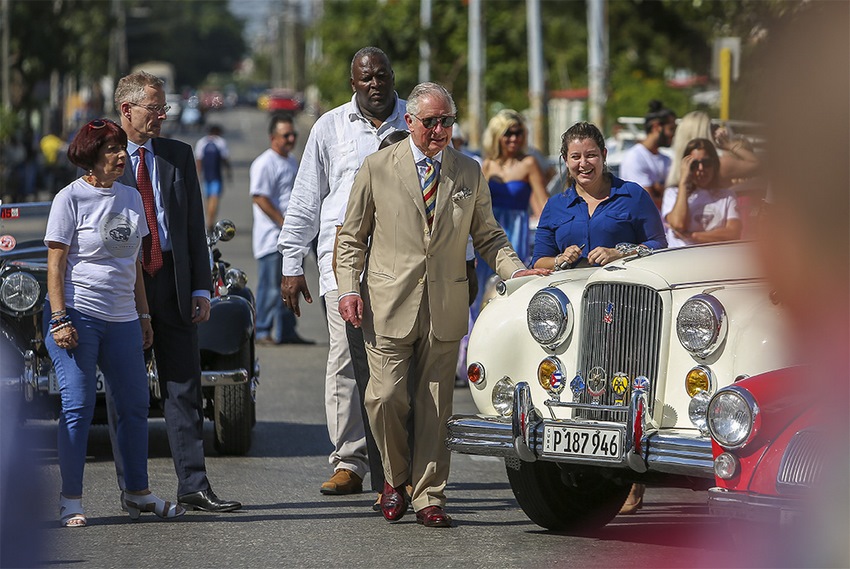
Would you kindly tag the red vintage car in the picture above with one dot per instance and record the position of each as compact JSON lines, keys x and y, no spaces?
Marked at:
{"x":769,"y":447}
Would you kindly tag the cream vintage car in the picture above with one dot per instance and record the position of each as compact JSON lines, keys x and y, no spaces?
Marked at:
{"x":589,"y":380}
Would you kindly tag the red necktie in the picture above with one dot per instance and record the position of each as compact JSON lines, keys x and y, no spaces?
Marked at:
{"x":151,"y":249}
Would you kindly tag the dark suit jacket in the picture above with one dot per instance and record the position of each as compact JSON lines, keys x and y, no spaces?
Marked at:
{"x":184,"y":213}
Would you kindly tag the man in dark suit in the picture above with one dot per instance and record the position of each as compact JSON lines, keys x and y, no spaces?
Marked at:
{"x":177,"y":277}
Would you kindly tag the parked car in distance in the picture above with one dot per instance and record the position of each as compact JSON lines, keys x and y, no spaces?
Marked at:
{"x":281,"y":100}
{"x":591,"y":379}
{"x":769,"y":448}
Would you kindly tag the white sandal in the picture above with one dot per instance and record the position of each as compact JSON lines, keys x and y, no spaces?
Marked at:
{"x":138,"y":503}
{"x":71,"y":512}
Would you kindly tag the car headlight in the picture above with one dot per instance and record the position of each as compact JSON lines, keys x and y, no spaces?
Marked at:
{"x":701,"y":325}
{"x":731,"y":417}
{"x":20,"y":291}
{"x":549,"y":317}
{"x":698,"y":409}
{"x":235,"y":279}
{"x":503,"y":397}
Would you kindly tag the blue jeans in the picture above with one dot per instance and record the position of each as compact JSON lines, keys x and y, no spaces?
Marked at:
{"x":274,"y":318}
{"x":117,"y":348}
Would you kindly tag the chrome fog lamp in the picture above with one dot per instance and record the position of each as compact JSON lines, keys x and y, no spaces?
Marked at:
{"x":725,"y":465}
{"x":731,"y":417}
{"x":503,"y":397}
{"x":550,"y":375}
{"x":698,"y":409}
{"x":235,"y":279}
{"x":549,"y":317}
{"x":20,"y":291}
{"x":701,"y":325}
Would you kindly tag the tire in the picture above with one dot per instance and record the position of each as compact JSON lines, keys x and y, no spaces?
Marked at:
{"x":233,"y":408}
{"x":565,"y":498}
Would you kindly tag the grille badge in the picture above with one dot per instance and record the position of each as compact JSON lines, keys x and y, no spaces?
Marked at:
{"x":620,"y":387}
{"x":577,"y":387}
{"x":641,"y":382}
{"x":596,"y":381}
{"x":608,"y":317}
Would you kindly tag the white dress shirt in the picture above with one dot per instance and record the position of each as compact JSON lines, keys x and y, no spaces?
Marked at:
{"x":338,"y":143}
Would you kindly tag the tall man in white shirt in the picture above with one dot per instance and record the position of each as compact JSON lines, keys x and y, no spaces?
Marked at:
{"x":272,"y":175}
{"x":338,"y":143}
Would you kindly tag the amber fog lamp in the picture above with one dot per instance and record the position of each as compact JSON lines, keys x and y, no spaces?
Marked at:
{"x":475,"y":373}
{"x":699,"y":379}
{"x":550,"y":375}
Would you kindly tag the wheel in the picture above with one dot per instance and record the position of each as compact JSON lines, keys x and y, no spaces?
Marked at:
{"x":233,"y":407}
{"x":565,"y":498}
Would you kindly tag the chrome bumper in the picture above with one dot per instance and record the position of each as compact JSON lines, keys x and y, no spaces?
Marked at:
{"x":521,"y":436}
{"x":754,"y":507}
{"x":224,"y":377}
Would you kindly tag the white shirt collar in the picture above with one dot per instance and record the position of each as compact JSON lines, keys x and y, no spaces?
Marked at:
{"x":419,"y":156}
{"x":357,"y":115}
{"x":132,"y":147}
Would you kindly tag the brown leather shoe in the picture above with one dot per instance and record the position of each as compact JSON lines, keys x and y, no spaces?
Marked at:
{"x":635,"y":500}
{"x":393,"y":502}
{"x":342,"y":482}
{"x":433,"y":517}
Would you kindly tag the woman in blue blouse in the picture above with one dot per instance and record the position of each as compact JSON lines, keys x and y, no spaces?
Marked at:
{"x":583,"y":225}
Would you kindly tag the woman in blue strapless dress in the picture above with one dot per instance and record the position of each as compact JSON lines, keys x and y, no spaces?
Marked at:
{"x":516,"y":187}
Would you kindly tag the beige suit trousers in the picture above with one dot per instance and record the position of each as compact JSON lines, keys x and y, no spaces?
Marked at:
{"x":388,"y":404}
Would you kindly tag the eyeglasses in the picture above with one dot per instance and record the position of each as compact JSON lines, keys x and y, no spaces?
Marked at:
{"x":517,"y":132}
{"x":705,"y":163}
{"x":99,"y":123}
{"x":158,"y":109}
{"x":432,"y":122}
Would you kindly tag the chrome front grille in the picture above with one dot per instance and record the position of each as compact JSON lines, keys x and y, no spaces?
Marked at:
{"x":620,"y":336}
{"x":802,"y":463}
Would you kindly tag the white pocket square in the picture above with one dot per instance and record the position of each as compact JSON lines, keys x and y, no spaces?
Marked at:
{"x":461,"y":194}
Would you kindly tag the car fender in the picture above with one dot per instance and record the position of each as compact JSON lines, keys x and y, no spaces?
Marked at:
{"x":231,"y":323}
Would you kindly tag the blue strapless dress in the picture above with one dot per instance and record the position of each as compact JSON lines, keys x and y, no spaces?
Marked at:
{"x":510,"y":208}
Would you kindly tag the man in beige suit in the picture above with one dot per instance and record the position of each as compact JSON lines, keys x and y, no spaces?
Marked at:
{"x":413,"y":299}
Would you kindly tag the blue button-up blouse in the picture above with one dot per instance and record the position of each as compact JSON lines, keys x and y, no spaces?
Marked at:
{"x":627,"y":216}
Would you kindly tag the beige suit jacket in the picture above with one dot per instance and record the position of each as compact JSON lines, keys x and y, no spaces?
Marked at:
{"x":386,"y":218}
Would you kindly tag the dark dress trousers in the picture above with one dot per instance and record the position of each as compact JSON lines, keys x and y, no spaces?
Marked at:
{"x":186,"y":268}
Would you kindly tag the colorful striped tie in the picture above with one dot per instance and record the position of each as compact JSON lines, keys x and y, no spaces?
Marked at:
{"x":429,"y":190}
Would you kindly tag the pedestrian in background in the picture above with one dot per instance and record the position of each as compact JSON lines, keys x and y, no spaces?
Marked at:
{"x":212,"y":157}
{"x":338,"y":143}
{"x":177,"y":279}
{"x":412,"y":209}
{"x":272,"y":176}
{"x":643,"y":163}
{"x":96,"y":315}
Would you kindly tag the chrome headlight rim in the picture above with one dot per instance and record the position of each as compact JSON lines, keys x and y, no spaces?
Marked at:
{"x":710,"y":378}
{"x":235,"y":279}
{"x":564,"y":309}
{"x":14,"y":283}
{"x":719,"y":326}
{"x":753,"y":413}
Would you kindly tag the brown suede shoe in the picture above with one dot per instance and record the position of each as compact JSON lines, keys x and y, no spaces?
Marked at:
{"x":343,"y":481}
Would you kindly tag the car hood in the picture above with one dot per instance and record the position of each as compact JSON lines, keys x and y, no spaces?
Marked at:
{"x":687,"y":266}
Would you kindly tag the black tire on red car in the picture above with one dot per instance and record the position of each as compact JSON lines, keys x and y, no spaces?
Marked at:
{"x":234,"y":407}
{"x":565,"y":498}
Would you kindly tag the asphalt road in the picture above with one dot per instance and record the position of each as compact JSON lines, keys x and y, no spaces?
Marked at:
{"x":286,"y":522}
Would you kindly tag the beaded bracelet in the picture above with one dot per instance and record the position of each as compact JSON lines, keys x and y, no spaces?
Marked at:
{"x":61,"y":320}
{"x":144,"y":316}
{"x":58,"y":313}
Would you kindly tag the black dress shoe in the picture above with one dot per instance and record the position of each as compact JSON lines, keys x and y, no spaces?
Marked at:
{"x":207,"y":501}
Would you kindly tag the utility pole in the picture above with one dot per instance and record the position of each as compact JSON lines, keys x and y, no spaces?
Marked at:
{"x":425,"y":41}
{"x":476,"y":69}
{"x":597,"y":60}
{"x":536,"y":93}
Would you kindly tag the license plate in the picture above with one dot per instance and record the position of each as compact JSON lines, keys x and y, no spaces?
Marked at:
{"x":583,"y":441}
{"x":53,"y":382}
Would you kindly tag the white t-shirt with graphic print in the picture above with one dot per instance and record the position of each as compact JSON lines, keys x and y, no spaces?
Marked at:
{"x":707,"y":210}
{"x":103,"y":228}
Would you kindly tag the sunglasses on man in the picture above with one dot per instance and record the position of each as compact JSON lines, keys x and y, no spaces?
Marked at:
{"x":432,"y":122}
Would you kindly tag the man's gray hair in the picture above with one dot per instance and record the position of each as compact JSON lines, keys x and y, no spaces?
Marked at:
{"x":428,"y":89}
{"x":131,"y":88}
{"x":365,"y":52}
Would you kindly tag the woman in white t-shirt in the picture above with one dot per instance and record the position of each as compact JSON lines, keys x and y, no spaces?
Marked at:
{"x":98,"y":317}
{"x":698,"y":211}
